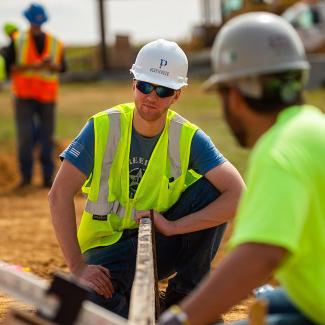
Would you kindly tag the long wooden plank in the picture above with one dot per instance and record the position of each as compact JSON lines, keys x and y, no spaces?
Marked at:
{"x":31,"y":290}
{"x":25,"y":287}
{"x":19,"y":317}
{"x":142,"y":304}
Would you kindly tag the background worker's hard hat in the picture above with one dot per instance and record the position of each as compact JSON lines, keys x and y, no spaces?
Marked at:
{"x":255,"y":44}
{"x":10,"y":28}
{"x":161,"y":62}
{"x":36,"y":14}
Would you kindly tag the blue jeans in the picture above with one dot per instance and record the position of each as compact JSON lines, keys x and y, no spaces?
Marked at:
{"x":189,"y":255}
{"x":35,"y":124}
{"x":281,"y":311}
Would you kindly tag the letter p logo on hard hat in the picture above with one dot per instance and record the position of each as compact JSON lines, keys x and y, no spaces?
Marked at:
{"x":152,"y":64}
{"x":163,"y":63}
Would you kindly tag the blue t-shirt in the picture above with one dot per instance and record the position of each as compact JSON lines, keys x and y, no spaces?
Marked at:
{"x":204,"y":155}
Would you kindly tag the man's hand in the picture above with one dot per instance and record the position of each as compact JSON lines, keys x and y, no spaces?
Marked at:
{"x":49,"y":65}
{"x":97,"y":278}
{"x":163,"y":225}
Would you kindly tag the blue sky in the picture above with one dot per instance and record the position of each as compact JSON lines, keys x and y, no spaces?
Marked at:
{"x":76,"y":21}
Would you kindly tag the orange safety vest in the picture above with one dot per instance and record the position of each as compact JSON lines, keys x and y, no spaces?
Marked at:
{"x":41,"y":85}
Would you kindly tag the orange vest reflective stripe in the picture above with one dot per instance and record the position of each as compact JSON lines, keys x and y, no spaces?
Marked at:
{"x":41,"y":85}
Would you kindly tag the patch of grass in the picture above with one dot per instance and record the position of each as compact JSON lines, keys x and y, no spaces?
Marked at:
{"x":7,"y":128}
{"x":80,"y":58}
{"x":77,"y":51}
{"x":316,"y":97}
{"x":7,"y":124}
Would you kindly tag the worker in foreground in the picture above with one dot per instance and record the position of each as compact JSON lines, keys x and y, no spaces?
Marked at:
{"x":261,"y":71}
{"x":140,"y":156}
{"x":35,"y":58}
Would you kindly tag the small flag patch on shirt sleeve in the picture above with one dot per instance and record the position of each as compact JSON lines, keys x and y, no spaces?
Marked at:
{"x":75,"y":149}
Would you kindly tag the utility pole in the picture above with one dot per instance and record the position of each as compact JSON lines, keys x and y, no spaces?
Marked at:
{"x":103,"y":49}
{"x":211,"y":11}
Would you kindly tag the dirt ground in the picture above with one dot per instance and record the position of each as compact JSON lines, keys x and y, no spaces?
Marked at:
{"x":27,"y":238}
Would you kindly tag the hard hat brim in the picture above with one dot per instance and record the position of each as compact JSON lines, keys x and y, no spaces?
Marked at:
{"x":216,"y":80}
{"x":158,"y":81}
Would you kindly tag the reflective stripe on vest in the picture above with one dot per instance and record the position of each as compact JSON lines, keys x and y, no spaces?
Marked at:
{"x":22,"y":44}
{"x":102,"y":206}
{"x":21,"y":49}
{"x":175,"y":129}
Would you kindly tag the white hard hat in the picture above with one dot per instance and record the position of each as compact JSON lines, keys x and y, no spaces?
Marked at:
{"x":163,"y":63}
{"x":255,"y":44}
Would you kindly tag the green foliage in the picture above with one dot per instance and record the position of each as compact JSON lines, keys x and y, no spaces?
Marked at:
{"x":81,"y":58}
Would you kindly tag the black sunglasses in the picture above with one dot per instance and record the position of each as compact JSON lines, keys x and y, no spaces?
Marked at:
{"x":161,"y":91}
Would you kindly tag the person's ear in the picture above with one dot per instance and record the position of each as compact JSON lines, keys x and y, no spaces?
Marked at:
{"x":237,"y":102}
{"x":176,"y":95}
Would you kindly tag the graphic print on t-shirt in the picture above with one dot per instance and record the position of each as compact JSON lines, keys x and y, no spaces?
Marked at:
{"x":137,"y":167}
{"x":140,"y":152}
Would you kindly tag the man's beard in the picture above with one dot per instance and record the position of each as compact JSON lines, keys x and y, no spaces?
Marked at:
{"x":236,"y":125}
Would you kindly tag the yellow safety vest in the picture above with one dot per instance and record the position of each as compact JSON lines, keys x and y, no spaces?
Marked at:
{"x":109,"y":209}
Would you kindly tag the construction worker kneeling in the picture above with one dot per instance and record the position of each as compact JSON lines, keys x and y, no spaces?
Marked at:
{"x":135,"y":157}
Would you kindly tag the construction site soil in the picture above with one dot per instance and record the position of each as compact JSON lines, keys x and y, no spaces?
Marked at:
{"x":27,"y":237}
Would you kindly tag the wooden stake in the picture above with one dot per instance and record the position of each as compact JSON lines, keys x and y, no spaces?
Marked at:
{"x":257,"y":313}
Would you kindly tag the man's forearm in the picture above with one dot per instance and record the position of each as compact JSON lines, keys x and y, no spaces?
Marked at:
{"x":228,"y":181}
{"x":63,"y":219}
{"x":234,"y":279}
{"x":216,"y":213}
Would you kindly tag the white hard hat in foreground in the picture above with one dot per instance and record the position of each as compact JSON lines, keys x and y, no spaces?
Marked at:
{"x":255,"y":44}
{"x":161,"y":62}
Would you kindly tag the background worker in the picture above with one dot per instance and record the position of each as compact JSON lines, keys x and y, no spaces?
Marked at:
{"x":2,"y":70}
{"x":280,"y":225}
{"x":140,"y":156}
{"x":11,"y":30}
{"x":35,"y":59}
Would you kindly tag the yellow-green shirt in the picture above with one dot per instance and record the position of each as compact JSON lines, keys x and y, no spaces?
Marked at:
{"x":2,"y":68}
{"x":285,"y":204}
